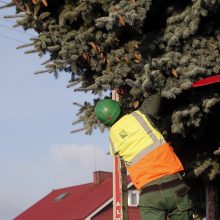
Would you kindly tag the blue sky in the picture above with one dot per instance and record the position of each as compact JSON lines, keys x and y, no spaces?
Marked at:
{"x":37,"y":151}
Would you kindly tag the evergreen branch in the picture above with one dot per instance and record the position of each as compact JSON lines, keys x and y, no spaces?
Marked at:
{"x":17,"y":25}
{"x":77,"y":130}
{"x":8,"y":5}
{"x":80,"y":89}
{"x":73,"y":83}
{"x":46,"y":62}
{"x":217,"y":152}
{"x":32,"y":51}
{"x":25,"y":45}
{"x":109,"y":44}
{"x":77,"y":121}
{"x":78,"y":104}
{"x":41,"y":71}
{"x":14,"y":16}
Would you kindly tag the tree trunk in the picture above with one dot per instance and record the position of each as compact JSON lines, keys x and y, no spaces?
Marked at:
{"x":211,"y":201}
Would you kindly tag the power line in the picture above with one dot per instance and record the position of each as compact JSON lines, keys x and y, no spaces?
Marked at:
{"x":13,"y":39}
{"x":12,"y":22}
{"x":4,"y":26}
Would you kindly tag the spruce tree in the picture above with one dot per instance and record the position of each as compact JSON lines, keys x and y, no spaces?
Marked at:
{"x":146,"y":47}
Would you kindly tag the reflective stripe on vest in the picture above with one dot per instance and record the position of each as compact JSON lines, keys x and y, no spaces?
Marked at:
{"x":156,"y":142}
{"x":152,"y":137}
{"x":112,"y":147}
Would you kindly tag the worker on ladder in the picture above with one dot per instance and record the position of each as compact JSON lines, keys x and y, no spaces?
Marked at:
{"x":153,"y":166}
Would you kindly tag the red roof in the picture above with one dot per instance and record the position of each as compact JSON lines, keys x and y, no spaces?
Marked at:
{"x":80,"y":201}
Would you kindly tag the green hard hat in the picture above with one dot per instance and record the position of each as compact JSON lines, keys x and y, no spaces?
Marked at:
{"x":107,"y":111}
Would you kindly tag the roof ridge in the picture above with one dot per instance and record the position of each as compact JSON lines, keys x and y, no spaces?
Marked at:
{"x":75,"y":186}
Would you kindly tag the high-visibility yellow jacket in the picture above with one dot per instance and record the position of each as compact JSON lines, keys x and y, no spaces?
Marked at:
{"x":145,"y":151}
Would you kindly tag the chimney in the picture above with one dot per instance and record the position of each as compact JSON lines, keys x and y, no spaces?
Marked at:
{"x":100,"y":176}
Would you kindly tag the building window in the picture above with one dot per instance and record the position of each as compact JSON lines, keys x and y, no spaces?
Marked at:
{"x":61,"y":197}
{"x":133,"y":198}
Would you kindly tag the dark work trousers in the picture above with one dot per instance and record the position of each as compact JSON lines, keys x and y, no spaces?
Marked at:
{"x":173,"y":202}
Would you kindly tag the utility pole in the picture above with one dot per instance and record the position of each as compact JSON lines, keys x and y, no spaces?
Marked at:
{"x":120,"y":192}
{"x":120,"y":195}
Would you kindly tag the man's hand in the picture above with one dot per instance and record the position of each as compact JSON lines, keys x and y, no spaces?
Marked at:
{"x":115,"y":95}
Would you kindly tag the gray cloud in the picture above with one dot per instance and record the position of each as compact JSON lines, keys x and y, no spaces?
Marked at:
{"x":75,"y":164}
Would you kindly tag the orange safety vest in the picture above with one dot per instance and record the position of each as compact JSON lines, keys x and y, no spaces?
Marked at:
{"x":143,"y":148}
